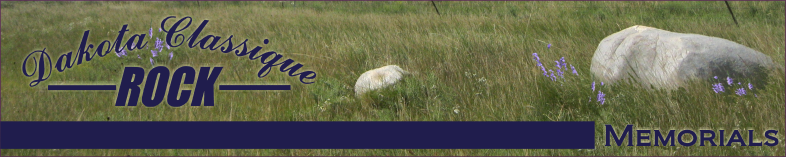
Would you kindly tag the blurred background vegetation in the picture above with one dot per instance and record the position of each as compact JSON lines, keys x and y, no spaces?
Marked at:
{"x":474,"y":63}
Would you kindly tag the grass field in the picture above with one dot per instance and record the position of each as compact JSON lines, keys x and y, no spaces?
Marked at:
{"x":474,"y":63}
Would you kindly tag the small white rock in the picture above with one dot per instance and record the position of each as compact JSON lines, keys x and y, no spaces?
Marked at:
{"x":379,"y":78}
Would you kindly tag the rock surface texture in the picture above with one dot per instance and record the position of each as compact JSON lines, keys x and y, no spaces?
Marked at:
{"x":379,"y":78}
{"x":667,"y":60}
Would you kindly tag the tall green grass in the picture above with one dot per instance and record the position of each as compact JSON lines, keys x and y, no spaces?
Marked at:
{"x":473,"y":63}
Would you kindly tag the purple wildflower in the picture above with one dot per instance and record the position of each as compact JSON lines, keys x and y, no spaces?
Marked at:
{"x":750,"y":86}
{"x":159,"y":29}
{"x":740,"y":91}
{"x":564,"y":64}
{"x":537,"y":58}
{"x":601,"y":83}
{"x":593,"y":86}
{"x":121,"y":53}
{"x":561,"y":67}
{"x":717,"y":87}
{"x":137,"y":56}
{"x":716,"y":77}
{"x":553,"y":78}
{"x":548,"y":46}
{"x":574,"y":70}
{"x":601,"y":98}
{"x":154,"y":52}
{"x":159,"y":45}
{"x":151,"y":32}
{"x":170,"y":55}
{"x":729,"y":81}
{"x":167,"y":46}
{"x":151,"y":61}
{"x":539,"y":64}
{"x":739,"y":83}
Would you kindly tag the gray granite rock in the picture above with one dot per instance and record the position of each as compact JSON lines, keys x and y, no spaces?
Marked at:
{"x":667,"y":60}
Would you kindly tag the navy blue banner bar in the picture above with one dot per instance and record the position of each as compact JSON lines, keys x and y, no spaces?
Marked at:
{"x":82,"y":87}
{"x":297,"y":135}
{"x":254,"y":87}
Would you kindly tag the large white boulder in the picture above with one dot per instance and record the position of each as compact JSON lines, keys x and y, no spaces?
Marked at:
{"x":379,"y":78}
{"x":667,"y":60}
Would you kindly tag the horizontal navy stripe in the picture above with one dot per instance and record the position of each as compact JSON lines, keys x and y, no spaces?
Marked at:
{"x":297,"y":135}
{"x":254,"y":87}
{"x":82,"y":87}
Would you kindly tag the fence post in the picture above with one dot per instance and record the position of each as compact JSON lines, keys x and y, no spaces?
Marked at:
{"x":732,"y":13}
{"x":435,"y":7}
